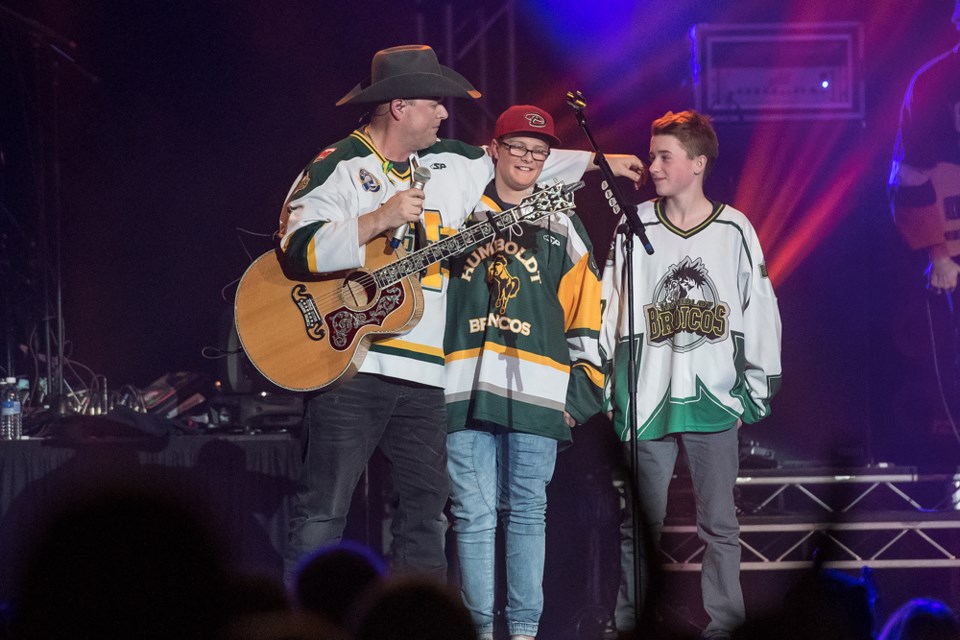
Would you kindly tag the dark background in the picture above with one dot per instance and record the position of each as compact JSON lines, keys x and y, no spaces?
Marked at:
{"x":174,"y":166}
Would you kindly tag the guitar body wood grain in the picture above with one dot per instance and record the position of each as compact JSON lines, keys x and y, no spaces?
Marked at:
{"x":306,"y":335}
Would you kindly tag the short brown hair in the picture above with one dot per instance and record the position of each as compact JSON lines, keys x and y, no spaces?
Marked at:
{"x":693,"y":130}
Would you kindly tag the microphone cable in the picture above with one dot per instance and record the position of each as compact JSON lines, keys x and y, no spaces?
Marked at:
{"x":936,"y":362}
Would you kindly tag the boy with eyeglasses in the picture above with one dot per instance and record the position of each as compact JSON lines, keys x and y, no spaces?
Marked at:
{"x":522,"y":368}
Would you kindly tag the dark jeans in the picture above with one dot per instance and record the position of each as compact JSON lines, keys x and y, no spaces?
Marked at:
{"x":342,"y":427}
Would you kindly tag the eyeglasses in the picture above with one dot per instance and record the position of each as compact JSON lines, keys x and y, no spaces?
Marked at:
{"x":518,"y":151}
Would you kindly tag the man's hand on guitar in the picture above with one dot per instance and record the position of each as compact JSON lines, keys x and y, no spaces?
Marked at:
{"x":942,"y":274}
{"x":402,"y":208}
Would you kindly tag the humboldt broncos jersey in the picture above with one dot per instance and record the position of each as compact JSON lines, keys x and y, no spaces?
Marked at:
{"x":523,"y":318}
{"x":706,"y":322}
{"x":319,"y":228}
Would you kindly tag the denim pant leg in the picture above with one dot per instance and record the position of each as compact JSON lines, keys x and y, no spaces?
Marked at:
{"x":526,"y":463}
{"x":472,"y":464}
{"x":415,"y":443}
{"x":341,"y":430}
{"x":714,"y":461}
{"x":648,"y":489}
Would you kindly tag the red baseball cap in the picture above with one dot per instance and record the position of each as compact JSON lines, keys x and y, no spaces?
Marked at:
{"x":526,"y":119}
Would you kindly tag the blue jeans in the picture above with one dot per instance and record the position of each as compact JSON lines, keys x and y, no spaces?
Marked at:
{"x":505,"y":474}
{"x":342,"y":427}
{"x":713,"y":460}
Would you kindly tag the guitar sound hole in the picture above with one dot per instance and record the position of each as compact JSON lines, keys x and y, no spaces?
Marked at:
{"x":358,"y":290}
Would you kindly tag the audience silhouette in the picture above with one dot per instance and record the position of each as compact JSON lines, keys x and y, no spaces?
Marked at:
{"x":921,"y":619}
{"x":825,"y":604}
{"x":142,"y":562}
{"x":413,"y":609}
{"x":124,"y":562}
{"x":333,"y":579}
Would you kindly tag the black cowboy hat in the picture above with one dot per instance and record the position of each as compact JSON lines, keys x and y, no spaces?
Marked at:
{"x":410,"y":71}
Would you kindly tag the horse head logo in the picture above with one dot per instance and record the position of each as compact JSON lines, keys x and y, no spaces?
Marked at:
{"x":502,"y":283}
{"x":683,"y":278}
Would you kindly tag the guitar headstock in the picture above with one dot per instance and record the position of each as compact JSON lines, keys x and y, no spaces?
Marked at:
{"x":557,"y":198}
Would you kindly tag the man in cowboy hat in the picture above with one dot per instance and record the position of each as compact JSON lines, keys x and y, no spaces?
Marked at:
{"x":353,"y":191}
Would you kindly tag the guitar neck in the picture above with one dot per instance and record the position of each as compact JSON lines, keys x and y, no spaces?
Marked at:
{"x":451,"y":246}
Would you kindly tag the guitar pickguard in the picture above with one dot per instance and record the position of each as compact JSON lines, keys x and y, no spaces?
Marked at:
{"x":344,"y":323}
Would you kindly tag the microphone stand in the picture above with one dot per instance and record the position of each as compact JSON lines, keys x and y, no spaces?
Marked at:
{"x":632,"y":227}
{"x":45,"y":38}
{"x":612,"y":190}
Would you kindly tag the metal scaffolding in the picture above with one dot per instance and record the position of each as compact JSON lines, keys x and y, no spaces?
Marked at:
{"x":478,"y":40}
{"x":882,"y":518}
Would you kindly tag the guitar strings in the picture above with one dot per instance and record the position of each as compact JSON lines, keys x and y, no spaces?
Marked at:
{"x":366,"y":280}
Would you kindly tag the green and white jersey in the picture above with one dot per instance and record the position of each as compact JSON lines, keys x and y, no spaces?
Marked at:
{"x":319,"y":228}
{"x":706,"y":322}
{"x":522,"y":326}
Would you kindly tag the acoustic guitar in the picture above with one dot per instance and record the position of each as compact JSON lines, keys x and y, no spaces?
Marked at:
{"x":305,"y":334}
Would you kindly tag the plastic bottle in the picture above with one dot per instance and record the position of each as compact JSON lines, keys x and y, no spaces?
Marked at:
{"x":11,"y":416}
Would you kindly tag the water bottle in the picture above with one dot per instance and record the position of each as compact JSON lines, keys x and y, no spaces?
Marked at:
{"x":11,"y":417}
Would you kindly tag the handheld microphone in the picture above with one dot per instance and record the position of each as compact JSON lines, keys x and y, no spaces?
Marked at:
{"x":420,"y":177}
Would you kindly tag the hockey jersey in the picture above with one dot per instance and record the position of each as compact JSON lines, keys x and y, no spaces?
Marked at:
{"x":707,"y":327}
{"x":319,"y":228}
{"x":522,"y":328}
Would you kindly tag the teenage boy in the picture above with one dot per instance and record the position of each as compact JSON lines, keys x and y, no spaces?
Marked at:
{"x":522,"y":367}
{"x":708,"y":359}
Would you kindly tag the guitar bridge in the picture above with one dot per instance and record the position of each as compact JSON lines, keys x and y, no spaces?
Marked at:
{"x":308,"y":309}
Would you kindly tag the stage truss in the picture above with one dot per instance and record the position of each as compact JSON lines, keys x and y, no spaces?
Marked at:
{"x":479,"y":40}
{"x":884,"y":518}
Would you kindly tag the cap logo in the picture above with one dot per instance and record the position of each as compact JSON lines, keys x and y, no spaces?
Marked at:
{"x":535,"y":120}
